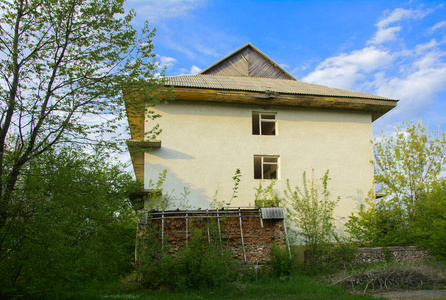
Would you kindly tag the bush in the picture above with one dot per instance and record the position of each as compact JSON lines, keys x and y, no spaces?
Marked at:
{"x":200,"y":264}
{"x":283,"y":262}
{"x":329,"y":259}
{"x":430,"y":225}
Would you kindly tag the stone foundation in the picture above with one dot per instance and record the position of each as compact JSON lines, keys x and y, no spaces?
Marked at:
{"x":391,"y":254}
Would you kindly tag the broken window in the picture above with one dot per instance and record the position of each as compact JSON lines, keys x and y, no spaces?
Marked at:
{"x":266,"y":167}
{"x":263,"y":123}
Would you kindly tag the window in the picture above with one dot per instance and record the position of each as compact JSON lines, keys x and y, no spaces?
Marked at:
{"x":263,"y":123}
{"x":266,"y":167}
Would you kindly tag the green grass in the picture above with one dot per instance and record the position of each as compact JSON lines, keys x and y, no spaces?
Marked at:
{"x":296,"y":287}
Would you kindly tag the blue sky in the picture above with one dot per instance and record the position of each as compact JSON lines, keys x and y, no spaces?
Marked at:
{"x":389,"y":48}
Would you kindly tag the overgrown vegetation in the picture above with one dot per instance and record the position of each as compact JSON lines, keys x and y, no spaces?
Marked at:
{"x":294,"y":287}
{"x":310,"y":211}
{"x":204,"y":262}
{"x":310,"y":208}
{"x":266,"y":196}
{"x":66,"y":220}
{"x":410,"y":167}
{"x":71,"y":222}
{"x":218,"y":204}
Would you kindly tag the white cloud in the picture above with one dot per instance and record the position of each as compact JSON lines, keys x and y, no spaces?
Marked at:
{"x":157,"y":10}
{"x":437,"y":26}
{"x":425,"y":77}
{"x":427,"y":46}
{"x":386,"y":33}
{"x":415,"y":75}
{"x":194,"y":70}
{"x":346,"y":70}
{"x":399,"y":14}
{"x":167,"y":62}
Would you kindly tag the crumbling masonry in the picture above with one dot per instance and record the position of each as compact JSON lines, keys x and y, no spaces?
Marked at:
{"x":248,"y":232}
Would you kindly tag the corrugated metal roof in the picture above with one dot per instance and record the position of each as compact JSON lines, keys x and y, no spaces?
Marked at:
{"x":273,"y":213}
{"x":256,"y":84}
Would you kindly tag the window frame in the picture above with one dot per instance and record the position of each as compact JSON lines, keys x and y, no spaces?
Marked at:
{"x":264,"y":120}
{"x":263,"y":163}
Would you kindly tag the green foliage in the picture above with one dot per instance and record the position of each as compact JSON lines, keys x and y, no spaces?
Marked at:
{"x":430,"y":225}
{"x":388,"y":256}
{"x":218,"y":204}
{"x":70,"y":222}
{"x":156,"y":199}
{"x":377,"y":225}
{"x":200,"y":264}
{"x":295,"y":287}
{"x":206,"y":264}
{"x":407,"y":164}
{"x":266,"y":196}
{"x":215,"y":203}
{"x":66,"y":67}
{"x":236,"y":178}
{"x":311,"y":210}
{"x":363,"y":226}
{"x":283,"y":263}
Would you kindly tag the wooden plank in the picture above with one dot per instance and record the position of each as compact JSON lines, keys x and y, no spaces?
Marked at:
{"x":374,"y":106}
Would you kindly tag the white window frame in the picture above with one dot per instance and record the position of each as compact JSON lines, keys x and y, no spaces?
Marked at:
{"x":262,"y":163}
{"x":266,"y":120}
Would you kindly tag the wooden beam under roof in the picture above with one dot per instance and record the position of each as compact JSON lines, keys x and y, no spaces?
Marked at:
{"x":376,"y":107}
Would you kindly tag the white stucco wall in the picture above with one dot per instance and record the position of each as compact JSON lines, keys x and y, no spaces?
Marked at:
{"x":204,"y":143}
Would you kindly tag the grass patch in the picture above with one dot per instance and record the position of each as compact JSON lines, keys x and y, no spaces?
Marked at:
{"x":294,"y":287}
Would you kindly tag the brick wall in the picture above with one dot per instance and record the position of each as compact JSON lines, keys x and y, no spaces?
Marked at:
{"x":245,"y":231}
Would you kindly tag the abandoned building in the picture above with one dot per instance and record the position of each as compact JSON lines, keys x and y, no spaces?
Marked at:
{"x":246,"y":112}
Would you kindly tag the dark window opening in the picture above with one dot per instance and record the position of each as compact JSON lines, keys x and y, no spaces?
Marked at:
{"x":263,"y":124}
{"x":265,"y":167}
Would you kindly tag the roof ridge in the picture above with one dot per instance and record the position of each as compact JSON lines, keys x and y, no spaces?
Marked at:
{"x":237,"y":76}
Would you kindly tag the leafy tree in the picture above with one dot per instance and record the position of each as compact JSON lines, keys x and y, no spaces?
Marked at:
{"x":73,"y":223}
{"x":64,"y":65}
{"x":406,"y":165}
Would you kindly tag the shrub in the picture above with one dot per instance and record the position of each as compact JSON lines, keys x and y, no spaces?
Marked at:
{"x":282,"y":262}
{"x":430,"y":225}
{"x":310,"y":209}
{"x":200,"y":264}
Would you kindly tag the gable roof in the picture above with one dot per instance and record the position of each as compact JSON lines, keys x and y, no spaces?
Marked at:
{"x":247,"y":76}
{"x":248,"y":61}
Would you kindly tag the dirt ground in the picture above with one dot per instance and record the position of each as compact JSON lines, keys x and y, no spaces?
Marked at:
{"x":413,"y":294}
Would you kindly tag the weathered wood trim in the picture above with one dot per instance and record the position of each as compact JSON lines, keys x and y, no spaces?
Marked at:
{"x":376,"y":107}
{"x":244,"y":62}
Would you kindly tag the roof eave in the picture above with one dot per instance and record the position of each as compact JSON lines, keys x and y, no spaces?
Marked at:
{"x":377,"y":107}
